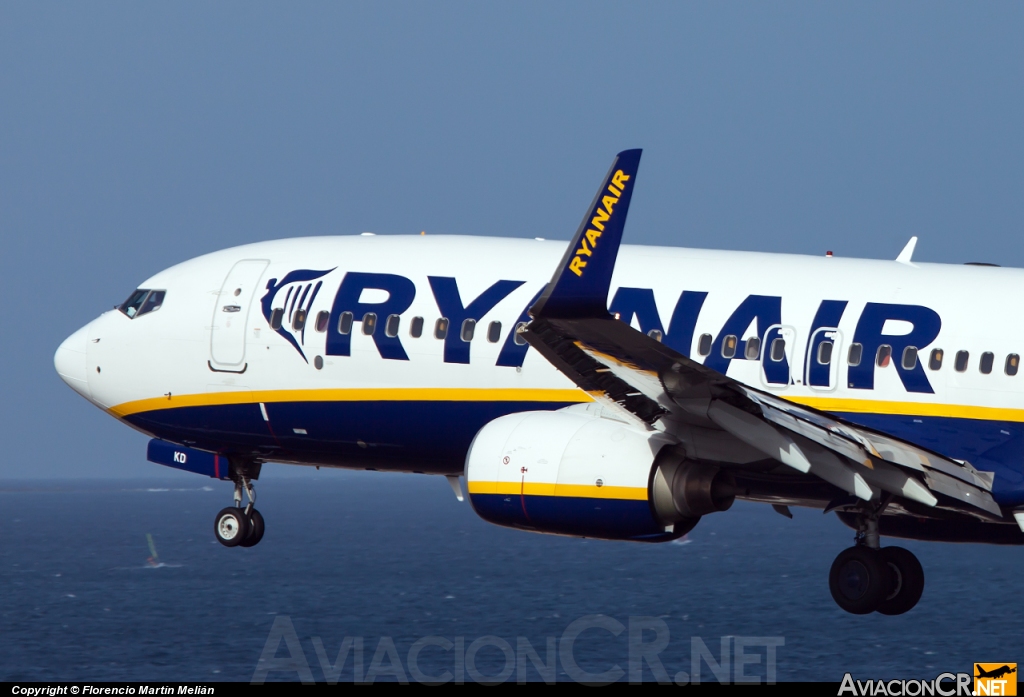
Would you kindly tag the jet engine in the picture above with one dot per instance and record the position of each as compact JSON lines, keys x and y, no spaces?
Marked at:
{"x":578,"y":472}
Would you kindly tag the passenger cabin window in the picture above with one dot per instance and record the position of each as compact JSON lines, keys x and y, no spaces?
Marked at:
{"x":142,"y":302}
{"x":299,"y":320}
{"x":704,"y":344}
{"x":729,"y":346}
{"x":369,"y":323}
{"x":416,"y":327}
{"x":468,"y":330}
{"x":855,"y":354}
{"x":345,"y":323}
{"x":494,"y":332}
{"x":935,"y":359}
{"x":778,"y":350}
{"x":825,"y":352}
{"x":985,"y":364}
{"x":441,"y":328}
{"x":392,"y":326}
{"x":753,"y":349}
{"x":276,"y":318}
{"x":961,"y":361}
{"x":655,"y":334}
{"x":520,"y":340}
{"x":909,"y":360}
{"x":322,"y":319}
{"x":884,"y":356}
{"x":1012,"y":364}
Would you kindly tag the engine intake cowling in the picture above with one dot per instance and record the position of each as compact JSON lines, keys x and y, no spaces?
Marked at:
{"x":569,"y":472}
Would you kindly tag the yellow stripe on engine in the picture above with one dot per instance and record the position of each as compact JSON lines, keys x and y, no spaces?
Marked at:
{"x":370,"y":394}
{"x":586,"y":491}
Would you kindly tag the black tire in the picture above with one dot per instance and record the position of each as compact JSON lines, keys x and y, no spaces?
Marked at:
{"x":907,"y":581}
{"x":859,"y":580}
{"x":256,"y":529}
{"x":231,"y":526}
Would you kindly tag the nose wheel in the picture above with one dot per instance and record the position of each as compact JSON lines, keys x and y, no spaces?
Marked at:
{"x":255,"y":533}
{"x":231,"y":526}
{"x":236,"y":526}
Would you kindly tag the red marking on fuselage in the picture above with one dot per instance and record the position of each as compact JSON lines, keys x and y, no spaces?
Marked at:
{"x":522,"y":493}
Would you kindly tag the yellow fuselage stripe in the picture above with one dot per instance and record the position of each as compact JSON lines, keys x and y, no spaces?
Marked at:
{"x":471,"y":394}
{"x":870,"y":406}
{"x":371,"y":394}
{"x":589,"y":491}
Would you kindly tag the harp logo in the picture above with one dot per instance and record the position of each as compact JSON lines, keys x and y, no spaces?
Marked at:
{"x":286,"y":304}
{"x":995,"y":678}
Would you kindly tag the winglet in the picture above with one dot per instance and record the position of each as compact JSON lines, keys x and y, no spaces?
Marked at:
{"x":580,"y":285}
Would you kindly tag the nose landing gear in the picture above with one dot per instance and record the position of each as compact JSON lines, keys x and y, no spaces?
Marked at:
{"x":236,"y":526}
{"x":868,"y":578}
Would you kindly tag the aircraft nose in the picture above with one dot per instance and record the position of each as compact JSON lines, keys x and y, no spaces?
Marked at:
{"x":70,"y":361}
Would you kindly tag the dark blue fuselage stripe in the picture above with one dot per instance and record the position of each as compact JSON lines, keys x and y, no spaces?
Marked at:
{"x":429,"y":436}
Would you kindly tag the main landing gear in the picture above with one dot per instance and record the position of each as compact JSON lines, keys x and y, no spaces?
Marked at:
{"x":236,"y":526}
{"x":868,"y":578}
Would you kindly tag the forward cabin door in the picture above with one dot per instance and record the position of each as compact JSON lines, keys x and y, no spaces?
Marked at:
{"x":230,"y":315}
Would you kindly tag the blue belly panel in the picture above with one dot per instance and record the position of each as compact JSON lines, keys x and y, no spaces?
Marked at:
{"x":424,"y":436}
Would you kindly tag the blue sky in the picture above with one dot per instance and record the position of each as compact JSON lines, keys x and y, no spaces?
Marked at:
{"x":136,"y":135}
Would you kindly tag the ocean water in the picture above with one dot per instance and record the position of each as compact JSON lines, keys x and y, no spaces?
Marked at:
{"x":390,"y":559}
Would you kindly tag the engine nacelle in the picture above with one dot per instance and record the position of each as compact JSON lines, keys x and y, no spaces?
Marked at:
{"x":572,"y":473}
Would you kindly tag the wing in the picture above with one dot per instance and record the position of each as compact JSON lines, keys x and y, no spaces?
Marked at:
{"x":619,"y":365}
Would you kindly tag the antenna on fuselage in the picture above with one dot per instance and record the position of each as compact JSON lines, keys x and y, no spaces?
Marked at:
{"x":908,"y":251}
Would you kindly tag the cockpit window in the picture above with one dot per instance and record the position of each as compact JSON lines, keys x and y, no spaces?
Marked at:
{"x":131,"y":306}
{"x":153,"y":302}
{"x":142,"y":302}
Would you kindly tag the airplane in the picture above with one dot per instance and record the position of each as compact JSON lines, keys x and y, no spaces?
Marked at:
{"x":624,"y":397}
{"x":995,"y":673}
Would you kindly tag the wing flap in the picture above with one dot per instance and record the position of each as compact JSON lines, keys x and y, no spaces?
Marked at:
{"x":877,"y":445}
{"x":963,"y":492}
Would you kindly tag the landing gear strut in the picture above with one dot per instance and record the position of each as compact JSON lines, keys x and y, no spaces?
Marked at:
{"x":868,"y":578}
{"x":236,"y":526}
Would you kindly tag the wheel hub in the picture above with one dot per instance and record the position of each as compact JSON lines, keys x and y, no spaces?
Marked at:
{"x":854,"y":579}
{"x":228,"y":527}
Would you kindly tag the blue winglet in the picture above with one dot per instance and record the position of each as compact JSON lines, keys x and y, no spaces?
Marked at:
{"x":580,"y":285}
